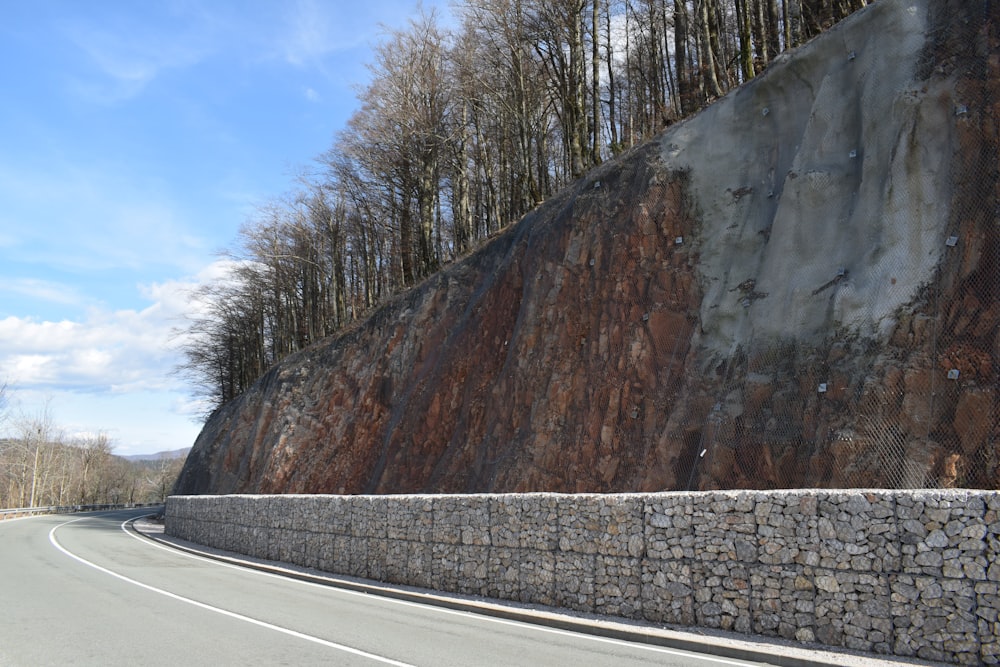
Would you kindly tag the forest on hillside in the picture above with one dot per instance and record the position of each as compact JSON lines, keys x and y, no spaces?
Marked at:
{"x":461,"y":131}
{"x":40,"y":466}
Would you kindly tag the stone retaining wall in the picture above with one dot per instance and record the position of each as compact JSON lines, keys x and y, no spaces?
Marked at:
{"x":910,"y":573}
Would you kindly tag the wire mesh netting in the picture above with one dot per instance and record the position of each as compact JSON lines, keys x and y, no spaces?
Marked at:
{"x":916,"y":408}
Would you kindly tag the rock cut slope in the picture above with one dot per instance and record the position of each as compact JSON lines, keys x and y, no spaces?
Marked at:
{"x":796,"y":287}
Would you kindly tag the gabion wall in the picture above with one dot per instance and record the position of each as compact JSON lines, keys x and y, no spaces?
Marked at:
{"x":907,"y":573}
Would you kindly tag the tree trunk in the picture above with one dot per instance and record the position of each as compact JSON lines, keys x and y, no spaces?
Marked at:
{"x":461,"y":212}
{"x":814,"y":15}
{"x":576,"y":116}
{"x":773,"y":31}
{"x":793,"y":23}
{"x":743,"y":26}
{"x":595,"y":84}
{"x":425,"y":203}
{"x":681,"y":57}
{"x":612,"y":91}
{"x":706,"y":52}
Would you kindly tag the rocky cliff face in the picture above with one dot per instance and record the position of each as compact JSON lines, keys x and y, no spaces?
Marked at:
{"x":798,"y":287}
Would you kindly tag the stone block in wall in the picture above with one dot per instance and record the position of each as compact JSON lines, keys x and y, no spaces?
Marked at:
{"x":715,"y":526}
{"x":618,"y":586}
{"x":311,"y":543}
{"x":420,"y":565}
{"x":503,"y":573}
{"x":667,"y":527}
{"x":376,"y":557}
{"x":461,"y":520}
{"x":942,"y":534}
{"x":252,"y":510}
{"x":987,"y":609}
{"x":283,"y":511}
{"x":667,"y":591}
{"x":338,"y":560}
{"x":783,"y":600}
{"x":988,"y":591}
{"x":853,"y":610}
{"x":370,"y":517}
{"x":234,"y":512}
{"x":351,"y":556}
{"x":177,"y":508}
{"x":409,"y":517}
{"x":445,"y":564}
{"x":209,"y":533}
{"x":221,"y":534}
{"x":722,"y":595}
{"x":786,"y":528}
{"x":270,"y":509}
{"x":238,"y":538}
{"x":396,"y":561}
{"x":324,"y":546}
{"x":934,"y":619}
{"x":603,"y":524}
{"x":472,"y":569}
{"x":271,"y":543}
{"x":315,"y":514}
{"x":299,"y":511}
{"x":536,"y":576}
{"x":332,"y":515}
{"x":524,"y":521}
{"x":179,"y":527}
{"x":260,"y":544}
{"x":245,"y":540}
{"x":217,"y":532}
{"x":857,"y":530}
{"x":291,"y":546}
{"x":460,"y":568}
{"x":188,"y":529}
{"x":991,"y":520}
{"x":574,"y":580}
{"x":257,"y":543}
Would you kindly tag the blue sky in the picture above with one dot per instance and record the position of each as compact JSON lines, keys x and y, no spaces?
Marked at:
{"x":135,"y":139}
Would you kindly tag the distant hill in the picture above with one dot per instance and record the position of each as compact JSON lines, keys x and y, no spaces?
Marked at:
{"x":159,"y":456}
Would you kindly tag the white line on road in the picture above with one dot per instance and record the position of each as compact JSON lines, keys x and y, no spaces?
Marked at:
{"x":224,"y":612}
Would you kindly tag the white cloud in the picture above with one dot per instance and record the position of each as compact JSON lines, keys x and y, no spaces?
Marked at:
{"x":310,"y":33}
{"x":100,"y":217}
{"x":125,"y":56}
{"x":311,"y":95}
{"x":44,"y":290}
{"x":111,"y":370}
{"x":313,"y":29}
{"x":106,"y":350}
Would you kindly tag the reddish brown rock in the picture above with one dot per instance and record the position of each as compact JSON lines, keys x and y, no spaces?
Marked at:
{"x":660,"y":333}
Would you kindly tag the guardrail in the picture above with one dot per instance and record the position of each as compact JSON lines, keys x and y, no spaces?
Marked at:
{"x":16,"y":512}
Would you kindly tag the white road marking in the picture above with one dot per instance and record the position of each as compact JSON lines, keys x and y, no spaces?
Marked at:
{"x":444,"y":610}
{"x":224,"y":612}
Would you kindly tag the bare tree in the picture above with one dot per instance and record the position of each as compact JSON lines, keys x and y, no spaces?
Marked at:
{"x":94,"y":456}
{"x":458,"y":135}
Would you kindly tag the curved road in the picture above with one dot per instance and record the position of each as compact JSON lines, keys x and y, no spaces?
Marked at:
{"x":84,"y":590}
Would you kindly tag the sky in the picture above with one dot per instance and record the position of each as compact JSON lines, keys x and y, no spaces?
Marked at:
{"x":135,"y":139}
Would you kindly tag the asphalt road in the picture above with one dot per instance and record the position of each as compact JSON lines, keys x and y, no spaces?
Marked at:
{"x":83,"y":590}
